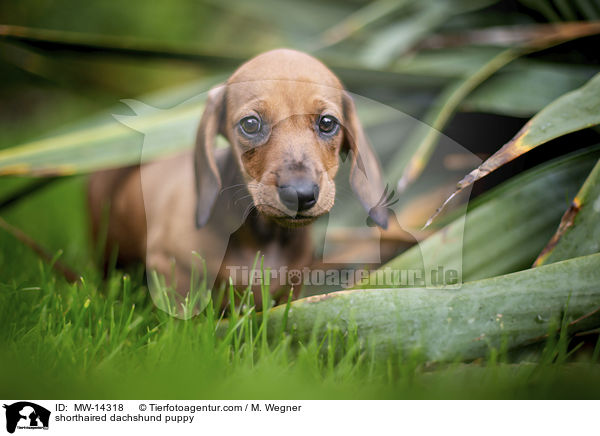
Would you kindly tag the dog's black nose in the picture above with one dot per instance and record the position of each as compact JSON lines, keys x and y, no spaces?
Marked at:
{"x":300,"y":195}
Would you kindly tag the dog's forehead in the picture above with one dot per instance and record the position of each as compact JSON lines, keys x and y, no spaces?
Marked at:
{"x":301,"y":96}
{"x":284,"y":64}
{"x":283,"y":78}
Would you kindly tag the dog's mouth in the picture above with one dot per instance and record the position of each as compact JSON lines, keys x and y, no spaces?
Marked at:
{"x":295,"y":221}
{"x":286,"y":218}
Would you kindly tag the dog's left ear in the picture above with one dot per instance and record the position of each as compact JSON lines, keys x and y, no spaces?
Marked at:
{"x":208,"y":179}
{"x":365,"y":173}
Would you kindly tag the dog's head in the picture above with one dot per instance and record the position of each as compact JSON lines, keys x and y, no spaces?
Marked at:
{"x":287,"y":118}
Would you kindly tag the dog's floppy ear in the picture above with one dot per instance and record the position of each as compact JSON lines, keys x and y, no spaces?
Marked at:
{"x":208,"y":179}
{"x":365,"y":172}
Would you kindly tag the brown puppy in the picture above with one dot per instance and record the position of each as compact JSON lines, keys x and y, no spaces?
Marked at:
{"x":287,"y":118}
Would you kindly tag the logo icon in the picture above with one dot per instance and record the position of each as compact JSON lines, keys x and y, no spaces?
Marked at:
{"x":349,"y":238}
{"x":26,"y":415}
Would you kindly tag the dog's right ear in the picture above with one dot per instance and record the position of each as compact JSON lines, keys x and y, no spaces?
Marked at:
{"x":366,"y":178}
{"x":208,"y":179}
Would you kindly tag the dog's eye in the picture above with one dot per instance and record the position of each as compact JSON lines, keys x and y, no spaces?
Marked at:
{"x":250,"y":125}
{"x":328,"y":124}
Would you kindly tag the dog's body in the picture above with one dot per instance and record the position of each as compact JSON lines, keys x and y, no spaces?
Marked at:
{"x":286,"y":117}
{"x":176,"y":238}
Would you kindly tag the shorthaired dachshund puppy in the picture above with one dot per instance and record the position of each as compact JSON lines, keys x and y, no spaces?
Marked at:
{"x":287,"y":119}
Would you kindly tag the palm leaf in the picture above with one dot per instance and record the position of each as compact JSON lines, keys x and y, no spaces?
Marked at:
{"x":103,"y":142}
{"x":576,"y":110}
{"x":445,"y":325}
{"x":526,"y":87}
{"x":395,"y":39}
{"x":411,"y":161}
{"x":578,"y":233}
{"x":135,"y":47}
{"x":106,"y":145}
{"x":522,"y":212}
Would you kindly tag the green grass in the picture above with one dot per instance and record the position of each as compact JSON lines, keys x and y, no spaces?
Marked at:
{"x":105,"y":339}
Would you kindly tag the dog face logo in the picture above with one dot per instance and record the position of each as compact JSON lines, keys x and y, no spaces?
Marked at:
{"x":229,"y":181}
{"x":26,"y":415}
{"x":286,"y":176}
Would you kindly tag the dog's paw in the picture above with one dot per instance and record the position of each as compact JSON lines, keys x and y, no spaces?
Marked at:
{"x":294,"y":277}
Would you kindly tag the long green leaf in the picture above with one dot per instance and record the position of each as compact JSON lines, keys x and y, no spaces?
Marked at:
{"x":526,"y":88}
{"x":130,"y":46}
{"x":106,"y":143}
{"x":506,"y":228}
{"x":578,"y":233}
{"x":355,"y":22}
{"x":415,"y":155}
{"x":576,"y":110}
{"x":398,"y":37}
{"x":109,"y":144}
{"x":411,"y":162}
{"x":445,"y":325}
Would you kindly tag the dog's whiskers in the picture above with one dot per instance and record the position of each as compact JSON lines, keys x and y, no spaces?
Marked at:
{"x":240,"y":191}
{"x":248,"y":211}
{"x":242,"y":198}
{"x":238,"y":185}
